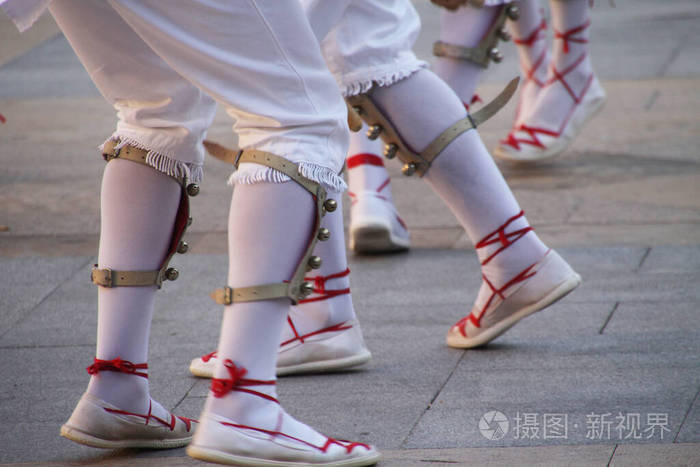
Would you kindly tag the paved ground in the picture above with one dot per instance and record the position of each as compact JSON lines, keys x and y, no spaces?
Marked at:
{"x":622,"y":353}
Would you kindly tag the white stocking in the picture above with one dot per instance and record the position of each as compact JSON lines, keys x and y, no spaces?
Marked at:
{"x":530,"y":36}
{"x":138,"y":210}
{"x":570,"y":65}
{"x":315,"y":313}
{"x":269,"y":227}
{"x":464,"y":175}
{"x":465,"y":27}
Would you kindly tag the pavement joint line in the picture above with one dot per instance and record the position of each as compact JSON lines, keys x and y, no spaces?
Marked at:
{"x":610,"y":315}
{"x":435,"y":396}
{"x":652,"y":99}
{"x":685,"y":417}
{"x":63,"y":346}
{"x":612,"y":455}
{"x":45,"y":297}
{"x":644,"y":258}
{"x":187,"y":393}
{"x":675,"y":52}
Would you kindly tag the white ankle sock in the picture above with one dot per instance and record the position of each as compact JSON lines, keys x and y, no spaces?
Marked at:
{"x":464,"y":175}
{"x":316,"y":313}
{"x":138,"y":206}
{"x":570,"y":61}
{"x":269,"y":227}
{"x":465,"y":27}
{"x":530,"y":36}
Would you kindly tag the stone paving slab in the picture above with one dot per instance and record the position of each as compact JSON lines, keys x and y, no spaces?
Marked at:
{"x":657,"y":455}
{"x":575,"y":393}
{"x":27,"y":282}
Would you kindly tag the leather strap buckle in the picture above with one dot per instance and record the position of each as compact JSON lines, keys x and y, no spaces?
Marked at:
{"x":102,"y":277}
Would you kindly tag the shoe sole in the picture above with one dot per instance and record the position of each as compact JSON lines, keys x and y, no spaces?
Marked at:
{"x":499,"y":328}
{"x":320,"y":366}
{"x":551,"y":153}
{"x":81,"y":437}
{"x":213,"y":455}
{"x":376,"y":239}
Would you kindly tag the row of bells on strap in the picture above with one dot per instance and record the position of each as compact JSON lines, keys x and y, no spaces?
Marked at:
{"x":390,"y":149}
{"x":314,"y":262}
{"x":172,"y":274}
{"x":512,"y":12}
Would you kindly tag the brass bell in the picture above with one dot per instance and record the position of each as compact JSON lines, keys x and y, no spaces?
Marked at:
{"x":182,"y":248}
{"x":189,"y":221}
{"x":390,"y":150}
{"x":323,"y":234}
{"x":306,"y":288}
{"x":373,"y":132}
{"x":315,"y":262}
{"x":513,"y":12}
{"x":495,"y":55}
{"x":409,"y":169}
{"x":172,"y":274}
{"x":193,"y":189}
{"x":330,"y":205}
{"x":504,"y":34}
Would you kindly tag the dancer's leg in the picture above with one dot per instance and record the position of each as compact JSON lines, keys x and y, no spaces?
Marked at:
{"x":571,"y":94}
{"x":304,"y":119}
{"x":138,"y":209}
{"x":375,"y":225}
{"x":322,"y":332}
{"x":421,"y":107}
{"x":530,"y":36}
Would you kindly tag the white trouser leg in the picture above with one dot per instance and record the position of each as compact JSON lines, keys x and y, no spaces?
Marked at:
{"x":258,"y":58}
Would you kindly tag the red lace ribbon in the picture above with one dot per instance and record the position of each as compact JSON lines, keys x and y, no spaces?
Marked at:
{"x":349,"y":446}
{"x":320,"y":287}
{"x":505,"y":239}
{"x":236,"y":382}
{"x":566,"y":35}
{"x":118,"y":365}
{"x":500,"y":235}
{"x":364,"y":159}
{"x":149,"y":416}
{"x":536,"y":35}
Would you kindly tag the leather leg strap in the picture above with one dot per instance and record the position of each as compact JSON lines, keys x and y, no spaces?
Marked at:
{"x":111,"y":278}
{"x":486,"y":51}
{"x":296,"y":288}
{"x":414,"y":162}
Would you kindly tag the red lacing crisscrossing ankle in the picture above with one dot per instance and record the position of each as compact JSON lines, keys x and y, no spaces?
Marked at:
{"x":322,"y":294}
{"x":237,"y":382}
{"x":125,"y":366}
{"x":505,"y":239}
{"x":371,"y":159}
{"x":557,"y":76}
{"x":529,"y":73}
